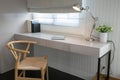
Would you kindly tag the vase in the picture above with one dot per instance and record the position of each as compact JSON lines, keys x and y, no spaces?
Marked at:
{"x":103,"y":37}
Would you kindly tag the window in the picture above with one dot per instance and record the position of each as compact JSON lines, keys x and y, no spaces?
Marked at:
{"x":61,"y":19}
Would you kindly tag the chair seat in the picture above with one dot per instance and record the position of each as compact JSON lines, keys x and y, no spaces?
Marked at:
{"x":33,"y":63}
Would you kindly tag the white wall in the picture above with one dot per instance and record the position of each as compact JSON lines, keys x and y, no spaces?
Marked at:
{"x":13,"y":14}
{"x":108,"y":12}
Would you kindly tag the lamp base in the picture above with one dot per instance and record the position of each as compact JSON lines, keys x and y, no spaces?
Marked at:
{"x":89,"y":39}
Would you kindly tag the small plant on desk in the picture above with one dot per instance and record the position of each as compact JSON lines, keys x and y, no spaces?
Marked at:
{"x":104,"y":29}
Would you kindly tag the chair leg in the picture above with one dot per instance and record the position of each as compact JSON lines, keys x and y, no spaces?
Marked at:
{"x":47,"y":76}
{"x":23,"y":73}
{"x":16,"y":74}
{"x":42,"y":74}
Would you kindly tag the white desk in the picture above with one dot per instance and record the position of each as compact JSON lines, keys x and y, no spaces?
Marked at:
{"x":71,"y":44}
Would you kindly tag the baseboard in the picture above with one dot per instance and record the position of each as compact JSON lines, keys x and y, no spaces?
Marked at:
{"x":103,"y":76}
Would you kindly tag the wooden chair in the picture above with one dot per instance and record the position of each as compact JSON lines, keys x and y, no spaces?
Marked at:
{"x":24,"y":63}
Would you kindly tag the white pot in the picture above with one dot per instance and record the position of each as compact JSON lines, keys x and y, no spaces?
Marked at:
{"x":103,"y":37}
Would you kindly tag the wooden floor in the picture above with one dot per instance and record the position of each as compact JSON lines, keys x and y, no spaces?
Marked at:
{"x":53,"y":75}
{"x":102,"y":77}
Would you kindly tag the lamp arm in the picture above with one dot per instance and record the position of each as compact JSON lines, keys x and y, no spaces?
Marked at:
{"x":94,"y":18}
{"x":93,"y":27}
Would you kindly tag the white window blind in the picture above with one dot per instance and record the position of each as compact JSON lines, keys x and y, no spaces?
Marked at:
{"x":61,"y":19}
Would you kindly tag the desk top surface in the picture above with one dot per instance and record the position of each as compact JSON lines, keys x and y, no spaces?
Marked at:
{"x":74,"y":42}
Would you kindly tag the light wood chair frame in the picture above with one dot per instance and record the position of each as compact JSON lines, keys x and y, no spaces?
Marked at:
{"x":17,"y":55}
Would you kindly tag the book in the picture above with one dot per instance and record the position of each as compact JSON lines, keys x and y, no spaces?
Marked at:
{"x":58,"y":37}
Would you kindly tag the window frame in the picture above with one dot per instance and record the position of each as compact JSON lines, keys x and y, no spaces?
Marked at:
{"x":79,"y":30}
{"x":54,"y":22}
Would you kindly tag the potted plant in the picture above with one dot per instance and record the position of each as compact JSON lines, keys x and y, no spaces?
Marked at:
{"x":104,"y":29}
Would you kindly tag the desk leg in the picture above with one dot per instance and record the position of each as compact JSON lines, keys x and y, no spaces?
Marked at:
{"x":98,"y":72}
{"x":108,"y":68}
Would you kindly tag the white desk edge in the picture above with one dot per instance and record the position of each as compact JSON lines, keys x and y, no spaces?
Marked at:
{"x":71,"y":44}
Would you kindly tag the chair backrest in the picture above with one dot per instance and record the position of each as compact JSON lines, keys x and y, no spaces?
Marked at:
{"x":17,"y":52}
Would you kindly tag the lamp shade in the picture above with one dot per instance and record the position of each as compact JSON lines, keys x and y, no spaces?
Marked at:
{"x":78,"y":7}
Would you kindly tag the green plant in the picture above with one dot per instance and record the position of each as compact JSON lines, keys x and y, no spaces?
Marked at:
{"x":104,"y":29}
